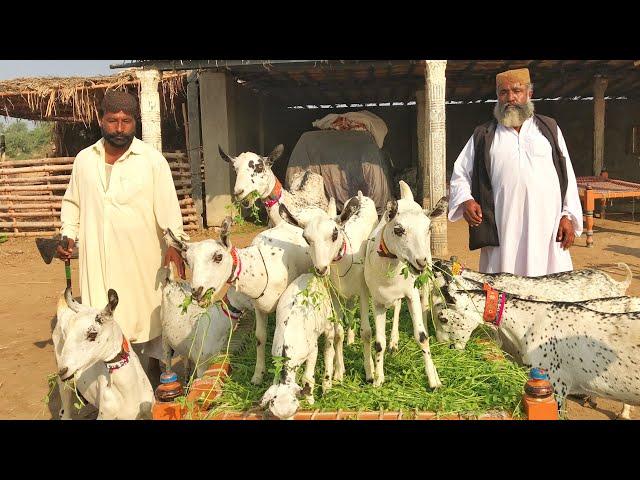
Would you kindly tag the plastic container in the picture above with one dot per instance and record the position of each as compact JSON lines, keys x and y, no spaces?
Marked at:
{"x":539,"y":402}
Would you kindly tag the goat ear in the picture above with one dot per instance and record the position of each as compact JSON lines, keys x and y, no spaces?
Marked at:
{"x":175,"y":241}
{"x":405,"y":191}
{"x":71,"y":303}
{"x":113,"y":302}
{"x":288,"y":217}
{"x":439,"y":209}
{"x":226,"y":231}
{"x":352,"y":206}
{"x":224,"y":155}
{"x":306,"y":390}
{"x":274,"y":155}
{"x":332,"y":211}
{"x":392,"y":209}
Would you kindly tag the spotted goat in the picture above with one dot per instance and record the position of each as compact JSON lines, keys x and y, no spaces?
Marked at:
{"x":261,"y":272}
{"x":398,"y":251}
{"x":302,"y":316}
{"x":338,"y":246}
{"x":254,"y":174}
{"x":196,"y":333}
{"x":585,"y":351}
{"x":91,"y":349}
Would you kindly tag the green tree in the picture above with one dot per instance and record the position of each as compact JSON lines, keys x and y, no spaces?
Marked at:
{"x":24,"y":143}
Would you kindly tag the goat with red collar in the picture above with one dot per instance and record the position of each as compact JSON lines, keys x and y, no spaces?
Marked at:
{"x":91,"y":349}
{"x":254,"y":174}
{"x":261,"y":272}
{"x":338,"y":245}
{"x":401,"y":240}
{"x":586,"y":352}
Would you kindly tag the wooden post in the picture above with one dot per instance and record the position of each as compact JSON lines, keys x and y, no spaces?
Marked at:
{"x":424,"y":188}
{"x":599,"y":86}
{"x":589,"y":203}
{"x":194,"y":145}
{"x":150,"y":107}
{"x":435,"y":148}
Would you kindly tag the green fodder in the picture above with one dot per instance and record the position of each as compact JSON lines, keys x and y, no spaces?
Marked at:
{"x":475,"y":381}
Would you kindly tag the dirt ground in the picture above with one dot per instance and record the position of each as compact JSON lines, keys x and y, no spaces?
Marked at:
{"x":29,"y":290}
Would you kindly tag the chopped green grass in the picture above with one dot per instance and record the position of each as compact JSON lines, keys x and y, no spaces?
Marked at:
{"x":472,"y":384}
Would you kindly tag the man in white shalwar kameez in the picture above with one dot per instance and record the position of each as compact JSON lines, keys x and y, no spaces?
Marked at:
{"x":535,"y":227}
{"x":119,"y":203}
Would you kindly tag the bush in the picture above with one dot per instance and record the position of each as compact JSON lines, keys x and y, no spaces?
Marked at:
{"x":24,"y":143}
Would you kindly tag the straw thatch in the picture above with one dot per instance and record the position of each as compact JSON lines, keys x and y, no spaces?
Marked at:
{"x":76,"y":99}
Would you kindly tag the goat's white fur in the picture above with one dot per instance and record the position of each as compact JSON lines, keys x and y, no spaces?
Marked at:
{"x":124,"y":394}
{"x":405,"y":228}
{"x":300,"y":320}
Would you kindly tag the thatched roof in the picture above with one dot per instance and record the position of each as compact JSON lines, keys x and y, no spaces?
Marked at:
{"x":76,"y":99}
{"x":333,"y":82}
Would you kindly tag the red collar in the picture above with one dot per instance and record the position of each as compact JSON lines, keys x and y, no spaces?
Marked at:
{"x":121,"y":359}
{"x":236,"y":268}
{"x":342,"y":251}
{"x":274,"y":196}
{"x":383,"y":251}
{"x":229,"y":310}
{"x":494,"y":305}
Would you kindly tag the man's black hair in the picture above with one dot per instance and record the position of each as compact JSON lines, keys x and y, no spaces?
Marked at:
{"x":115,"y":101}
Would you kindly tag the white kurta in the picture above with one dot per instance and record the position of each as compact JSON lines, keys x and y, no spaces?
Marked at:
{"x":120,"y":232}
{"x":528,"y":206}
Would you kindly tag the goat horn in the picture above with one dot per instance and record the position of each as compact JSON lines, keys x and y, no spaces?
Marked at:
{"x":71,"y":303}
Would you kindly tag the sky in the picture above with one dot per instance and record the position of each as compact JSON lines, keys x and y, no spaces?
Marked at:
{"x":10,"y":69}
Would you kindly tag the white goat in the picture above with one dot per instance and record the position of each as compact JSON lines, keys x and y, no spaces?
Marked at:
{"x":261,"y":271}
{"x":253,"y":173}
{"x":586,"y":352}
{"x":401,"y":240}
{"x":303,"y":314}
{"x":572,"y":286}
{"x":90,"y":347}
{"x":605,"y":305}
{"x":198,"y":334}
{"x":338,"y":246}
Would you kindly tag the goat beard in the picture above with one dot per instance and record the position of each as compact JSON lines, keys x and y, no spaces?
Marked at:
{"x":511,"y":115}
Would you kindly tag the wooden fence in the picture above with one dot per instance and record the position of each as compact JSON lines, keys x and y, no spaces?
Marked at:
{"x":31,"y":194}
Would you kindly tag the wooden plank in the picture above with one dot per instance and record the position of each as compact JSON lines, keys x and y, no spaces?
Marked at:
{"x":194,"y":144}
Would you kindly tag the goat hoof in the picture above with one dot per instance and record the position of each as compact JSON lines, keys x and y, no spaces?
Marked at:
{"x":310,"y":400}
{"x":393,"y":347}
{"x":256,"y":379}
{"x":338,"y":376}
{"x":378,"y":382}
{"x":326,"y":385}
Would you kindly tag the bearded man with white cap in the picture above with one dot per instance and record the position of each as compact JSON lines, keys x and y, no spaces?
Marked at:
{"x":515,"y":186}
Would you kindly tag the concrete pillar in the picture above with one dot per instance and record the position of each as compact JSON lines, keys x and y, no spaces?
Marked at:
{"x":217,"y":117}
{"x":423,"y":168}
{"x":435,"y":148}
{"x":599,"y":86}
{"x":150,"y":107}
{"x":194,"y":145}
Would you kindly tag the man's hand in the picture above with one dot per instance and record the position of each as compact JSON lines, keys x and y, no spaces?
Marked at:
{"x":65,"y":254}
{"x":566,"y":233}
{"x":472,"y":212}
{"x":173,"y":255}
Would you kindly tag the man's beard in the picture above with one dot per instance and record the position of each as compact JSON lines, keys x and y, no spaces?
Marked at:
{"x":513,"y":115}
{"x":118,"y":140}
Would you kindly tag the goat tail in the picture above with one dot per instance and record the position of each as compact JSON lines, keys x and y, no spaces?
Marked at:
{"x":627,"y":281}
